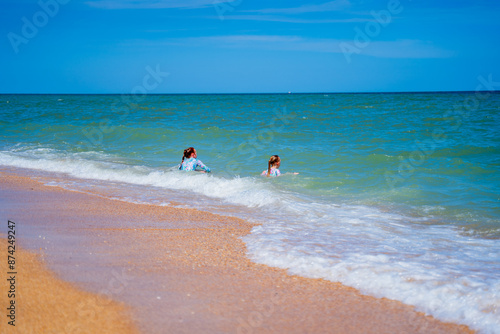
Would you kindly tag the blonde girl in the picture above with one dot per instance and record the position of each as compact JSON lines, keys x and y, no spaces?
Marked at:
{"x":272,"y":166}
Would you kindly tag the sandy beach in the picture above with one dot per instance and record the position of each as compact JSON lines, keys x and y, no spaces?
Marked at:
{"x":167,"y":270}
{"x":46,"y":304}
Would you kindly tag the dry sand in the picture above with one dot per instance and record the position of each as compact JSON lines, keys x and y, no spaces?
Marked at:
{"x":45,"y":304}
{"x":179,"y":271}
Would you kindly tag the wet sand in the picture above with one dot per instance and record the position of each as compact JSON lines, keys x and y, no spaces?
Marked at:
{"x":183,"y":270}
{"x":45,"y":304}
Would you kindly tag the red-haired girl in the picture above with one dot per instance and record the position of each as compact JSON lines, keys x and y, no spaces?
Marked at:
{"x":192,"y":162}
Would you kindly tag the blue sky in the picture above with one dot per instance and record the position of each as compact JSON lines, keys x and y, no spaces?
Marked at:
{"x":243,"y":46}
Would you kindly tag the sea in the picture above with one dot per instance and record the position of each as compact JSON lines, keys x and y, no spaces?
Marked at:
{"x":397,"y":194}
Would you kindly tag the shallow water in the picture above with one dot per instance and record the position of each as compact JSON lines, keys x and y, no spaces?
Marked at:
{"x":398,"y":194}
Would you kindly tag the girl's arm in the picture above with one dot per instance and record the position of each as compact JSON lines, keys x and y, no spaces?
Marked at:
{"x":202,"y":166}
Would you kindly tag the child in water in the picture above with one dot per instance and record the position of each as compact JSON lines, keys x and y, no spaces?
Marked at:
{"x":273,"y":167}
{"x":192,"y":162}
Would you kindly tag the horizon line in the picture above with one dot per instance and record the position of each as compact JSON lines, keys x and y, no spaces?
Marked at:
{"x":275,"y":93}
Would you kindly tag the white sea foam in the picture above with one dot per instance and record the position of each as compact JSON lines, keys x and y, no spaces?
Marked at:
{"x":435,"y":268}
{"x":96,"y":166}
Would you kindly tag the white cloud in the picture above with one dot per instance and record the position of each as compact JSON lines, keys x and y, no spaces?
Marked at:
{"x":405,"y":48}
{"x":330,"y":6}
{"x":335,"y":5}
{"x":379,"y":49}
{"x":153,"y":4}
{"x":274,"y":18}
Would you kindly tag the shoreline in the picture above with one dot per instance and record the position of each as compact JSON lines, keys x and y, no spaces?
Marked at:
{"x":35,"y":308}
{"x":184,"y":270}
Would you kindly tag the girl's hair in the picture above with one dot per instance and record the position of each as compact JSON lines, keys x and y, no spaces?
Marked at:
{"x":187,"y":153}
{"x":272,"y":161}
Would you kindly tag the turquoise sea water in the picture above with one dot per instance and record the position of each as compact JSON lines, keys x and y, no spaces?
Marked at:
{"x":398,"y":194}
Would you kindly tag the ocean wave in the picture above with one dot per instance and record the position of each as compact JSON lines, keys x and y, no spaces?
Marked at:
{"x":435,"y":268}
{"x":383,"y":253}
{"x":105,"y":167}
